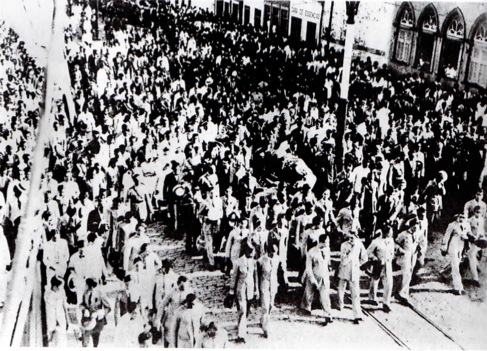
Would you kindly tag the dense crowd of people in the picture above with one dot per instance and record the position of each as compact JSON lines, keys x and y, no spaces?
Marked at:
{"x":227,"y":134}
{"x":21,"y":85}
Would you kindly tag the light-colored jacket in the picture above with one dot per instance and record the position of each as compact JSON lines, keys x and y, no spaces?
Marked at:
{"x":382,"y":249}
{"x":234,"y":243}
{"x":317,"y":262}
{"x":220,"y":340}
{"x":352,"y":256}
{"x":55,"y":310}
{"x":185,"y":326}
{"x":169,"y":305}
{"x":244,"y":278}
{"x":268,"y":282}
{"x":455,"y":236}
{"x":56,"y":255}
{"x":165,"y":283}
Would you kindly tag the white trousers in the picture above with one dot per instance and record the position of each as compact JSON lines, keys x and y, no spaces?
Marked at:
{"x":354,"y":291}
{"x":408,"y":264}
{"x":455,"y":259}
{"x":473,"y":261}
{"x":387,"y":282}
{"x":323,"y":292}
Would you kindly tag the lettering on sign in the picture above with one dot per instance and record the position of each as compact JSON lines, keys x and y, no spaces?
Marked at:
{"x":305,"y":13}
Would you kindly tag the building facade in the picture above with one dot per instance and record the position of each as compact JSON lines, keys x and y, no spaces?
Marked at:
{"x":443,"y":40}
{"x":298,"y":20}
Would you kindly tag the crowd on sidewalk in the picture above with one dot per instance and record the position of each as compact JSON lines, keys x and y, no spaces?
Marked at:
{"x":21,"y":84}
{"x":227,"y":134}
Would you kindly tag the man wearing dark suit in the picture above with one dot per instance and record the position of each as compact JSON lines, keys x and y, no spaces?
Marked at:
{"x":94,"y":218}
{"x":94,"y":307}
{"x":172,"y":179}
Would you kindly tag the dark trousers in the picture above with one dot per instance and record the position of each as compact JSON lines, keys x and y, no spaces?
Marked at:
{"x":94,"y":333}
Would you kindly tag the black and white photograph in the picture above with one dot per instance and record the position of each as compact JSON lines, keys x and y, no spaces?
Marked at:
{"x":300,"y":174}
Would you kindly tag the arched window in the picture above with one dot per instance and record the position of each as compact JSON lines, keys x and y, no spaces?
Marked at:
{"x":481,"y":34}
{"x":407,"y":18}
{"x":428,"y":27}
{"x":430,"y":23}
{"x":453,"y":41}
{"x":404,"y":36}
{"x":478,"y":59}
{"x":456,"y":29}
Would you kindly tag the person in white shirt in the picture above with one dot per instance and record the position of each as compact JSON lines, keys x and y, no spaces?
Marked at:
{"x":407,"y":247}
{"x":472,"y":204}
{"x":477,"y":226}
{"x":97,"y":268}
{"x":214,"y":337}
{"x":316,"y":276}
{"x":133,"y":245}
{"x":56,"y":317}
{"x":453,"y":244}
{"x":381,"y":251}
{"x":352,"y":256}
{"x":423,"y":230}
{"x":128,"y":328}
{"x":213,"y":206}
{"x":79,"y":263}
{"x":232,"y":205}
{"x":358,"y":174}
{"x":165,"y":282}
{"x":151,"y":263}
{"x":56,"y":255}
{"x":234,"y":242}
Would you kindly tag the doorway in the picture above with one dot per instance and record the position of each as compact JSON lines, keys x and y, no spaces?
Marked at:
{"x":311,"y":33}
{"x":246,"y":15}
{"x":219,"y":8}
{"x":284,"y":26}
{"x":257,"y":18}
{"x":295,"y":29}
{"x":235,"y":12}
{"x":227,"y":10}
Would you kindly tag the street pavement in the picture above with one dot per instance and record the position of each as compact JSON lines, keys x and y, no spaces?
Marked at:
{"x":452,"y":322}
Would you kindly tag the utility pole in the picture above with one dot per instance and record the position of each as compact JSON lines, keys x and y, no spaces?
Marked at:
{"x":23,"y":279}
{"x":97,"y":34}
{"x":320,"y":30}
{"x":351,"y":8}
{"x":328,"y":29}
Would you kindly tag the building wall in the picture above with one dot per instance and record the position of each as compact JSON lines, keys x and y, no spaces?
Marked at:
{"x":204,"y":4}
{"x":377,"y":30}
{"x":373,"y":27}
{"x":306,"y":11}
{"x":471,"y":13}
{"x":255,"y":5}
